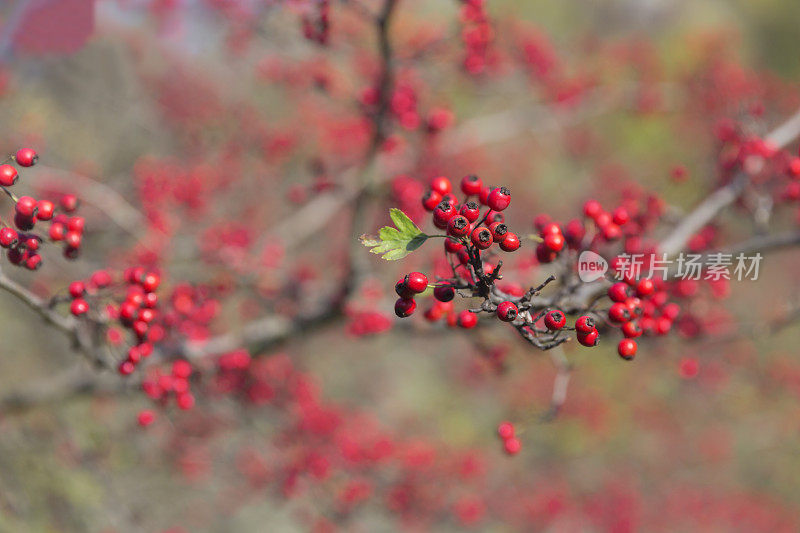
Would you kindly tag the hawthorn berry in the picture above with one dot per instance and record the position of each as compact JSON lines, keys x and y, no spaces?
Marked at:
{"x":404,"y":307}
{"x":627,"y":349}
{"x":499,"y":231}
{"x":73,"y":239}
{"x":507,"y":311}
{"x":444,"y":292}
{"x":619,"y":313}
{"x":588,"y":339}
{"x":495,"y":216}
{"x":481,"y":238}
{"x":467,"y":319}
{"x":430,"y":200}
{"x":550,"y":228}
{"x":24,"y":223}
{"x":126,"y":368}
{"x":26,"y":206}
{"x":441,"y":185}
{"x":555,"y":320}
{"x":511,"y":243}
{"x":471,"y":211}
{"x":634,"y":306}
{"x":77,"y":289}
{"x":645,"y":287}
{"x":151,"y":281}
{"x":452,"y":246}
{"x":78,"y":307}
{"x":585,"y":324}
{"x":145,"y":418}
{"x":505,"y":430}
{"x":592,"y":208}
{"x":620,"y":216}
{"x":512,"y":446}
{"x":544,"y":254}
{"x":499,"y":199}
{"x":416,"y":282}
{"x":631,"y":329}
{"x":68,"y":202}
{"x":25,"y":157}
{"x":471,"y":185}
{"x":443,"y":213}
{"x":554,"y":241}
{"x":8,"y":175}
{"x":46,"y":209}
{"x":458,"y":226}
{"x":402,"y":289}
{"x":483,"y":196}
{"x":57,"y":231}
{"x":33,"y":262}
{"x":76,"y":223}
{"x":619,"y":292}
{"x":8,"y":237}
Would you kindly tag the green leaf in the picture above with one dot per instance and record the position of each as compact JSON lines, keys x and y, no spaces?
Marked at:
{"x":396,"y":243}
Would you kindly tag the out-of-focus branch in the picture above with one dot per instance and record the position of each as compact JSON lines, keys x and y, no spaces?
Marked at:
{"x":709,"y":208}
{"x":560,"y":384}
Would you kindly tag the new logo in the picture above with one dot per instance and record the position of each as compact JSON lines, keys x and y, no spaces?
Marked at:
{"x":591,"y":266}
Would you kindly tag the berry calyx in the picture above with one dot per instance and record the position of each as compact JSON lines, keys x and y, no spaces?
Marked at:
{"x":458,"y":226}
{"x":481,"y":238}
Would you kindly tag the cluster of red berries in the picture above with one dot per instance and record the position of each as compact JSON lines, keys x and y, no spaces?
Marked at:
{"x":162,"y":388}
{"x":477,"y":35}
{"x":507,"y":433}
{"x":317,"y":29}
{"x":406,"y":288}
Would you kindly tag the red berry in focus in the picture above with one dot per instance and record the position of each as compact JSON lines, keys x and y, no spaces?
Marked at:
{"x":619,"y":313}
{"x":589,"y":339}
{"x":555,"y":320}
{"x":430,"y":200}
{"x":499,"y":231}
{"x":25,"y":157}
{"x":507,"y":311}
{"x":627,"y":349}
{"x":46,"y":210}
{"x":619,"y":292}
{"x":416,"y":282}
{"x":8,"y":175}
{"x":27,"y":206}
{"x":404,"y":307}
{"x":471,"y":185}
{"x":585,"y":324}
{"x":471,"y":211}
{"x":458,"y":226}
{"x":481,"y":238}
{"x":511,"y":243}
{"x":8,"y":237}
{"x":499,"y":199}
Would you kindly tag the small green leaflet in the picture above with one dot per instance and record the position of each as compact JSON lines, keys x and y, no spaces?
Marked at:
{"x":396,"y":243}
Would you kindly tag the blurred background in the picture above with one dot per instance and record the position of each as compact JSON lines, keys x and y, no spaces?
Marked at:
{"x":193,"y":129}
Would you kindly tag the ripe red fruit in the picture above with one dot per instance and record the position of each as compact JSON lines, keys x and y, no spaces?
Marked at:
{"x":507,"y":311}
{"x":443,"y":213}
{"x":627,"y":349}
{"x":544,"y":254}
{"x":554,"y":242}
{"x":555,"y":320}
{"x":495,"y":216}
{"x":73,"y":239}
{"x":585,"y":324}
{"x":467,"y":320}
{"x":452,"y":246}
{"x":430,"y":200}
{"x":589,"y":339}
{"x":185,"y":400}
{"x":416,"y":282}
{"x":483,"y":196}
{"x":126,"y":368}
{"x":151,"y":281}
{"x":471,"y":210}
{"x":512,"y":446}
{"x":499,"y":231}
{"x":78,"y":307}
{"x":611,"y":232}
{"x":471,"y":184}
{"x":505,"y":430}
{"x":8,"y":175}
{"x":8,"y":237}
{"x":33,"y":262}
{"x":645,"y":287}
{"x":631,"y":329}
{"x":26,"y":206}
{"x":69,"y":202}
{"x":550,"y":228}
{"x":634,"y":306}
{"x":592,"y":208}
{"x":458,"y":226}
{"x":441,"y":185}
{"x":620,"y":216}
{"x":77,"y":289}
{"x":57,"y":231}
{"x":619,"y":313}
{"x":46,"y":210}
{"x":444,"y":292}
{"x":499,"y":199}
{"x":25,"y":157}
{"x":481,"y":238}
{"x":511,"y":243}
{"x":145,"y":418}
{"x":404,"y":307}
{"x":402,"y":289}
{"x":76,"y":223}
{"x":619,"y":292}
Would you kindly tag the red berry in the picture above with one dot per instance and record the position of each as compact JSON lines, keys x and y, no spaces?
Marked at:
{"x":430,"y":200}
{"x":505,"y":430}
{"x":78,"y":307}
{"x":404,"y":307}
{"x":69,"y":202}
{"x":645,"y":287}
{"x":550,"y":228}
{"x":33,"y":262}
{"x":8,"y":237}
{"x":634,"y":306}
{"x":555,"y":320}
{"x":150,"y":282}
{"x":444,"y":292}
{"x":621,"y":216}
{"x":467,"y":320}
{"x":443,"y":213}
{"x":592,"y":208}
{"x":26,"y":206}
{"x":619,"y":313}
{"x":585,"y":324}
{"x":631,"y":329}
{"x":126,"y":368}
{"x":441,"y":185}
{"x":185,"y":401}
{"x":57,"y":231}
{"x":481,"y":238}
{"x":619,"y":292}
{"x":499,"y":231}
{"x":507,"y":311}
{"x":627,"y":349}
{"x":511,"y":243}
{"x":145,"y":418}
{"x":25,"y":157}
{"x":76,"y":224}
{"x":611,"y":232}
{"x":8,"y":175}
{"x":499,"y":199}
{"x":402,"y":289}
{"x":554,"y":241}
{"x":471,"y":185}
{"x":471,"y":210}
{"x":77,"y":289}
{"x":24,"y":223}
{"x":416,"y":282}
{"x":494,"y":216}
{"x":458,"y":226}
{"x":588,"y":339}
{"x":46,"y":210}
{"x":544,"y":254}
{"x":452,"y":246}
{"x":512,"y":446}
{"x":483,"y":196}
{"x":73,"y":239}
